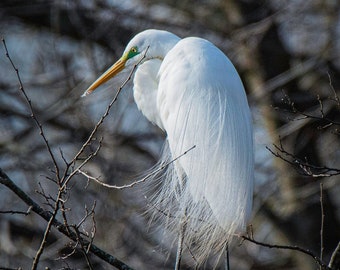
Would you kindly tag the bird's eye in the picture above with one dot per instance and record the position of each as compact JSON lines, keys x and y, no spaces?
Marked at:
{"x":132,"y":52}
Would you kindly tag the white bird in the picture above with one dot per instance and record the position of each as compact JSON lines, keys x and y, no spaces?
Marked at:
{"x":192,"y":91}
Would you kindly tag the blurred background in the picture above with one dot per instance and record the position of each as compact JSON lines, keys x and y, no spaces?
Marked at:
{"x":288,"y":55}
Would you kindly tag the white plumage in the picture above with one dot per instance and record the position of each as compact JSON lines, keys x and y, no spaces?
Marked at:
{"x":192,"y":91}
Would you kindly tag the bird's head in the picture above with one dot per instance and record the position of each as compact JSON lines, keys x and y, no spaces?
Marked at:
{"x":145,"y":45}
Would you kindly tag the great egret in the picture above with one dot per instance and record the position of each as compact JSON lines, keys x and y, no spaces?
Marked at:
{"x":191,"y":90}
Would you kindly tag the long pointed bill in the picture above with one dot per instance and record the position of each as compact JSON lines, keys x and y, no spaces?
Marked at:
{"x":110,"y":73}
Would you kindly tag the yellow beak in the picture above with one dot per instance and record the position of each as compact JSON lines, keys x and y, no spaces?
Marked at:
{"x":110,"y":73}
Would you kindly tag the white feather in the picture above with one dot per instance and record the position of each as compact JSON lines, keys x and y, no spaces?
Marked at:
{"x":191,"y":90}
{"x":202,"y":102}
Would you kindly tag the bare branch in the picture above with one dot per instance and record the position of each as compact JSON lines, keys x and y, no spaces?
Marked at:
{"x":46,"y":215}
{"x":96,"y":179}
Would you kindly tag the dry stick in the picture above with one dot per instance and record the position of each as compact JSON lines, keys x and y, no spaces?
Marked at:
{"x":138,"y":181}
{"x":5,"y":180}
{"x":322,"y":223}
{"x":296,"y":248}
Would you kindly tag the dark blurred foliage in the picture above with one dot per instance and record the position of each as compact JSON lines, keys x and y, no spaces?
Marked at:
{"x":287,"y":53}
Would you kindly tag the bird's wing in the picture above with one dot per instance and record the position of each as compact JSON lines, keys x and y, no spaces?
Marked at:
{"x":202,"y":102}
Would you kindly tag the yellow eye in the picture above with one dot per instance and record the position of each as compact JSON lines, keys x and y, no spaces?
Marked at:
{"x":133,"y":50}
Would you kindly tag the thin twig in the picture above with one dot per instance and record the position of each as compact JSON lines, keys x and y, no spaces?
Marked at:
{"x":336,"y":97}
{"x":94,"y":228}
{"x":47,"y":231}
{"x":87,"y":159}
{"x":296,"y":248}
{"x":322,"y":223}
{"x":303,"y":167}
{"x":83,"y":249}
{"x":138,"y":181}
{"x":33,"y":116}
{"x":17,"y":212}
{"x":101,"y":120}
{"x":335,"y":257}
